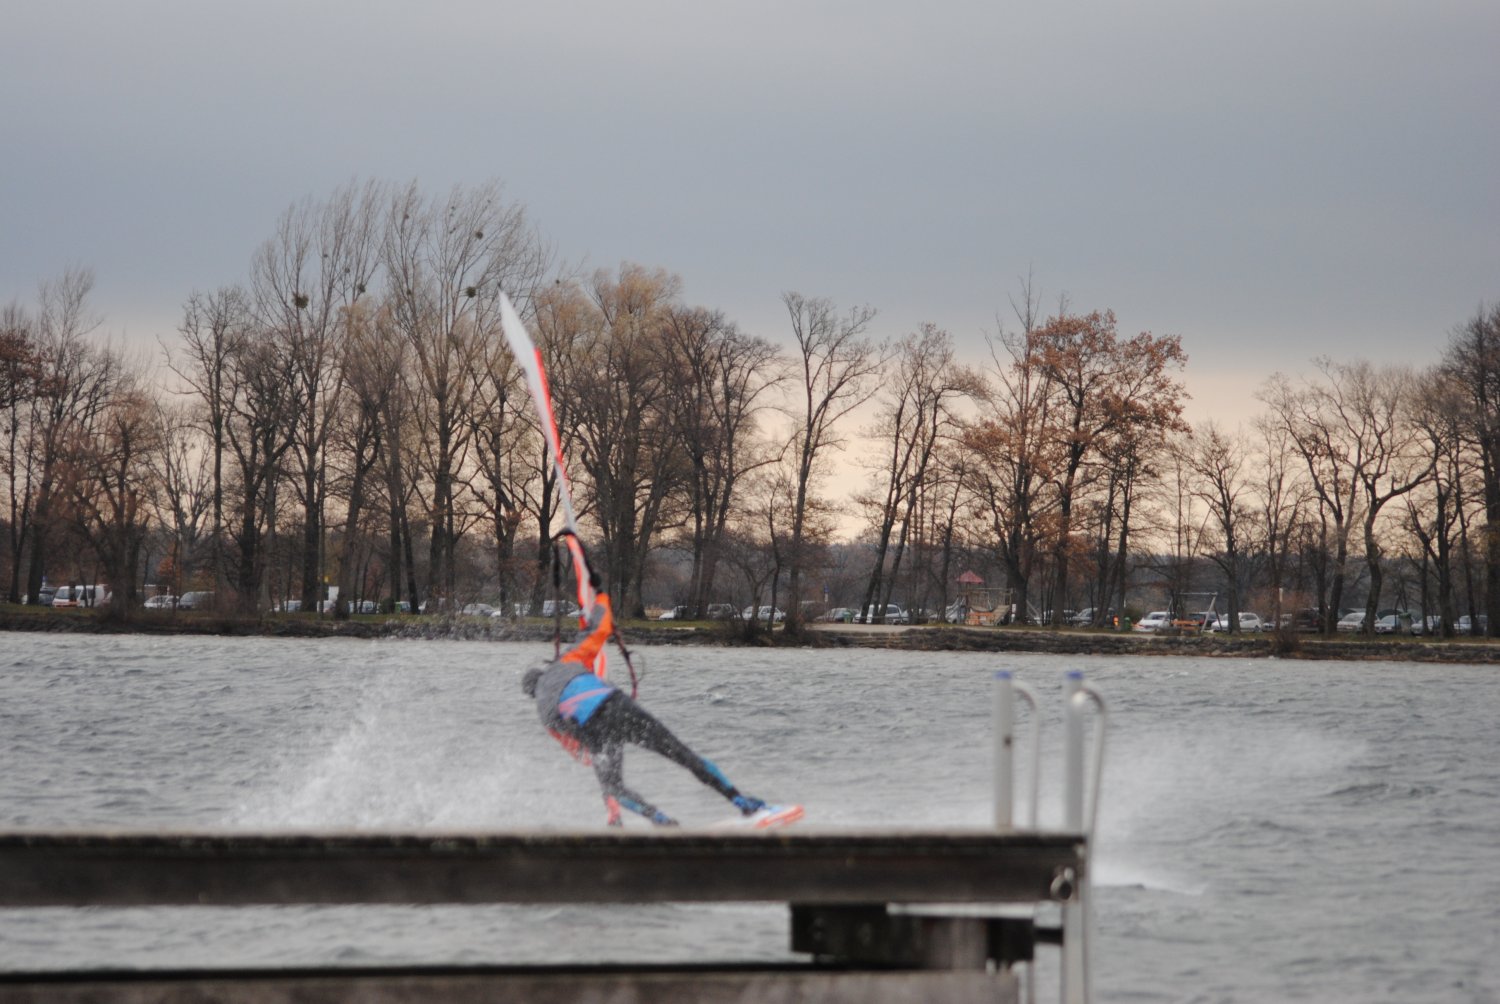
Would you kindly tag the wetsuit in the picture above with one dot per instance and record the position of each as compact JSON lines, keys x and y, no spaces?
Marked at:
{"x":587,"y":714}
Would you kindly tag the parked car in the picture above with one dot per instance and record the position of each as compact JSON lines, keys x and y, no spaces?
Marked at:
{"x":1248,"y":622}
{"x":162,"y":601}
{"x":1307,"y":619}
{"x":678,"y":613}
{"x":893,"y":615}
{"x":1154,"y":621}
{"x":1351,"y":623}
{"x":477,"y":610}
{"x":550,"y":608}
{"x":762,"y":614}
{"x":196,"y":600}
{"x":1466,"y":626}
{"x":839,"y":615}
{"x":1398,"y":622}
{"x":721,"y":612}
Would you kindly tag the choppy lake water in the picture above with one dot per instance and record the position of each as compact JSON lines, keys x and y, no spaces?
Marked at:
{"x":1270,"y":830}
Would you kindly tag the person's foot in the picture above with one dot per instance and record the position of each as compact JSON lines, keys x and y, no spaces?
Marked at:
{"x":747,"y":805}
{"x":662,"y":819}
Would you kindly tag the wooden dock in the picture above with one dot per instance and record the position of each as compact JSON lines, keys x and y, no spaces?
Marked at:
{"x":880,"y":916}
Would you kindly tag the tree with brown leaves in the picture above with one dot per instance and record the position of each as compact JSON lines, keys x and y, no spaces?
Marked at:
{"x":1102,"y":387}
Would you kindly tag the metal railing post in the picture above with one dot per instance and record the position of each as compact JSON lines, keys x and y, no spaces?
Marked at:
{"x":1004,"y":715}
{"x":1006,"y":689}
{"x":1076,"y":915}
{"x":1073,"y":779}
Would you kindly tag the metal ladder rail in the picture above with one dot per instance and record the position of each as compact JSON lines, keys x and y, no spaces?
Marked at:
{"x":1077,"y":921}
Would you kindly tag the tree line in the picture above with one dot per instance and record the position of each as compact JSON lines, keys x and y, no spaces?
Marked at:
{"x":349,"y":416}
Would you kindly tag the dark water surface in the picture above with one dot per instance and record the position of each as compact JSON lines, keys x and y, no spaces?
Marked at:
{"x":1269,"y":830}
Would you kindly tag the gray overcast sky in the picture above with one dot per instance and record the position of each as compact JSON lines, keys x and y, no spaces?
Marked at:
{"x":1270,"y":180}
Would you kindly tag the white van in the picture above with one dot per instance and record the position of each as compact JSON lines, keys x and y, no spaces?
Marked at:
{"x":81,"y":596}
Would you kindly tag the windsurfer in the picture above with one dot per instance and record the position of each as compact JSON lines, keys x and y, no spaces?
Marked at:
{"x":593,"y":720}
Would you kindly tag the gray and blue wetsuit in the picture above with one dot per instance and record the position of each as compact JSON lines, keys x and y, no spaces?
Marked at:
{"x":575,"y":703}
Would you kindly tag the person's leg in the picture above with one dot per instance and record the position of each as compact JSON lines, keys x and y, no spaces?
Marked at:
{"x":627,"y":721}
{"x":609,"y":768}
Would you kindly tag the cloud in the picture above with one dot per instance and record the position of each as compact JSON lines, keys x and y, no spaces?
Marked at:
{"x":1257,"y":177}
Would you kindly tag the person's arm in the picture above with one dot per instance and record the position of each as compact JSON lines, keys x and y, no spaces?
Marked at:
{"x":586,"y":651}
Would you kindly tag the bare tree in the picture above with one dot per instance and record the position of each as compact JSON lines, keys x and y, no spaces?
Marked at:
{"x":356,"y":441}
{"x":836,"y":365}
{"x":921,"y":389}
{"x":1433,"y":512}
{"x":1281,"y":500}
{"x":187,"y":488}
{"x":75,"y":381}
{"x":949,"y":487}
{"x":20,"y":383}
{"x":259,"y":429}
{"x":1361,"y":451}
{"x":1219,"y":462}
{"x":1376,"y":407}
{"x":318,"y":264}
{"x":107,"y":472}
{"x":1473,"y":357}
{"x":382,"y":382}
{"x":759,"y":547}
{"x":506,"y":442}
{"x":626,"y":444}
{"x":1189,"y":528}
{"x":721,"y":378}
{"x":1132,"y":478}
{"x":447,"y":261}
{"x":1309,"y":424}
{"x":214,"y":330}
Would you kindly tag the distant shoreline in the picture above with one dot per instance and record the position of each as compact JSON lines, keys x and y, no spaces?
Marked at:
{"x":936,"y":638}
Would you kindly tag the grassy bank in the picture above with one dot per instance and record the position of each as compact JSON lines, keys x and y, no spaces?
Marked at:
{"x":933,"y":638}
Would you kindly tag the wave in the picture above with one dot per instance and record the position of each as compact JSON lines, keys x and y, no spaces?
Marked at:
{"x":1122,"y":875}
{"x":1382,"y":791}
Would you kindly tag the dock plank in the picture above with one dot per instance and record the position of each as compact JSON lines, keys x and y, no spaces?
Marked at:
{"x":639,"y":986}
{"x":235,"y":869}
